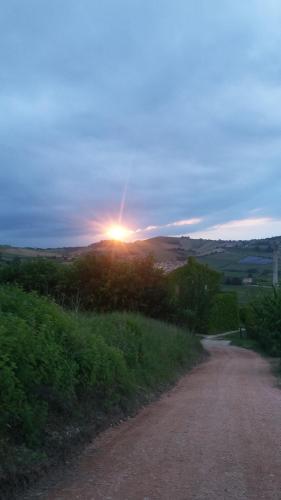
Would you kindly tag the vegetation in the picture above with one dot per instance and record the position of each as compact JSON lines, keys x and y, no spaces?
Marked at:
{"x":246,"y":294}
{"x":234,"y":263}
{"x":224,"y":314}
{"x":263,"y":322}
{"x":233,"y":280}
{"x":41,"y":275}
{"x":83,"y":339}
{"x":103,"y":283}
{"x":193,"y":288}
{"x":57,"y":367}
{"x":98,"y":283}
{"x":242,"y":340}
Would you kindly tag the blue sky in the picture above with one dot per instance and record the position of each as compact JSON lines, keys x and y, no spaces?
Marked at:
{"x":170,"y":110}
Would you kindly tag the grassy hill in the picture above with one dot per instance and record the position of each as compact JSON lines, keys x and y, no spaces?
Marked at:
{"x":236,"y":259}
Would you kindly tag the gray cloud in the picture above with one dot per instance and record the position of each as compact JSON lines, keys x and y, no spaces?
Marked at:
{"x":180,"y":102}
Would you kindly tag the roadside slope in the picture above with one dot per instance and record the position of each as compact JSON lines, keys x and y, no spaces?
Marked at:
{"x":216,"y":435}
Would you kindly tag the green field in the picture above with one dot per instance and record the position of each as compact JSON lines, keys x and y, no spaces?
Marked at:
{"x":246,"y":294}
{"x":229,"y":264}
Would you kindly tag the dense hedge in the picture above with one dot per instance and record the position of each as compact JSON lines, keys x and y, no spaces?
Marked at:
{"x":99,"y":283}
{"x":53,"y":363}
{"x":224,"y":314}
{"x":192,"y":288}
{"x":263,"y":322}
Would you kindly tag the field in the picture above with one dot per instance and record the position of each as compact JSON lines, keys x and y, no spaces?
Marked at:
{"x":229,"y":263}
{"x":246,"y":294}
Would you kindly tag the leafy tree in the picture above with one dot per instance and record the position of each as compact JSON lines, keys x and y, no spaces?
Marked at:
{"x":105,"y":283}
{"x":193,"y":287}
{"x":224,"y":313}
{"x":94,"y":282}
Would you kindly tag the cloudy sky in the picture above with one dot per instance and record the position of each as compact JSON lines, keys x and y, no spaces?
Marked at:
{"x":164,"y":113}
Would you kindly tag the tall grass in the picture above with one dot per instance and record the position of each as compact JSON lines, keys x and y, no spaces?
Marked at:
{"x":153,"y":350}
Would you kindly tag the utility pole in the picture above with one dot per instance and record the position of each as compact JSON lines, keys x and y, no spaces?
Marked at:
{"x":275,"y":281}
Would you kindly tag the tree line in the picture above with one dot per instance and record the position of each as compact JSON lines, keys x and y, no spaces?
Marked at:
{"x":104,"y":283}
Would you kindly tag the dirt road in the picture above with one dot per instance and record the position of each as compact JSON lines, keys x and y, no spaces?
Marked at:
{"x":215,"y":436}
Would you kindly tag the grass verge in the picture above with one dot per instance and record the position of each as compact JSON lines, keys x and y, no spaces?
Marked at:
{"x":244,"y":341}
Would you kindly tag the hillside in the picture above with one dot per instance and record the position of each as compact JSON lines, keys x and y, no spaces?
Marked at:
{"x":233,"y":258}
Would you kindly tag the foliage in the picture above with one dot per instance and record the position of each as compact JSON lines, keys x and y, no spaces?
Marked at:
{"x":52,"y":362}
{"x":152,"y":349}
{"x":242,"y":340}
{"x":94,"y":282}
{"x":263,"y":322}
{"x":233,"y":280}
{"x":224,"y":314}
{"x":193,"y":288}
{"x":40,"y":275}
{"x":105,"y":283}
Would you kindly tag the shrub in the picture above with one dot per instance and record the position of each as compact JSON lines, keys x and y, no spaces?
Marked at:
{"x":46,"y":365}
{"x":193,"y":288}
{"x":152,"y":350}
{"x":104,"y":284}
{"x":99,"y":283}
{"x":224,"y":315}
{"x":263,"y":322}
{"x":40,"y":275}
{"x":54,"y":364}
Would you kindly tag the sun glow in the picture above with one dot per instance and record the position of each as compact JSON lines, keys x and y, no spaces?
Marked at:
{"x":118,"y":232}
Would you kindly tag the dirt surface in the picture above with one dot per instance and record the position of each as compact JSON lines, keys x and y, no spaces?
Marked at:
{"x":215,"y":436}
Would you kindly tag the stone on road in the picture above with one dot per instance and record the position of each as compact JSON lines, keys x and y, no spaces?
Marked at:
{"x":215,"y":436}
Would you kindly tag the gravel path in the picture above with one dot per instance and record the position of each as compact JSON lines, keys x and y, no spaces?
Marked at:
{"x":215,"y":436}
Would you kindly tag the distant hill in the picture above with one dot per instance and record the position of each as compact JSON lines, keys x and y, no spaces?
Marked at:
{"x":234,"y":258}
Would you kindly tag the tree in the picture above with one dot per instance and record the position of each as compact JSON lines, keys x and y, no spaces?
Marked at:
{"x":193,"y":288}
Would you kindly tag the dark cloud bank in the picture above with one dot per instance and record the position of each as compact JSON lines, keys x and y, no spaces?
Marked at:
{"x":176,"y":103}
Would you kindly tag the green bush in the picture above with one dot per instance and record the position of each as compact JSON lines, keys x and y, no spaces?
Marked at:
{"x":152,"y":350}
{"x":53,"y":364}
{"x":99,"y":283}
{"x":224,"y":314}
{"x":103,"y":283}
{"x":46,"y":364}
{"x":41,"y":275}
{"x":192,"y":291}
{"x":263,"y":322}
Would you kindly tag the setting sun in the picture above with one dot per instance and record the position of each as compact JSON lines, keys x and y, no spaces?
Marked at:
{"x":118,"y":232}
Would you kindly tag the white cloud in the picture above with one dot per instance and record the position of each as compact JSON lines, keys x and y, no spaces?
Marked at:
{"x":177,"y":223}
{"x":243,"y":229}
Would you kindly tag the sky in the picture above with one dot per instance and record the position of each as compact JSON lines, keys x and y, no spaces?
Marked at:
{"x":162,"y":115}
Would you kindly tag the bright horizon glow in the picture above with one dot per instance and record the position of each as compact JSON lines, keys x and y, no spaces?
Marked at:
{"x":118,"y":232}
{"x":242,"y":229}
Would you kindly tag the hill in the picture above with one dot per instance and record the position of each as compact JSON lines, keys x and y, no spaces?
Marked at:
{"x":236,"y":259}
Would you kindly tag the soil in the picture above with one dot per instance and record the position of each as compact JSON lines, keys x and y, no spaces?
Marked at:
{"x":215,"y":436}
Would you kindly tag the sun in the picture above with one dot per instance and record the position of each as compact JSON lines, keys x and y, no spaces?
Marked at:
{"x":117,"y":232}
